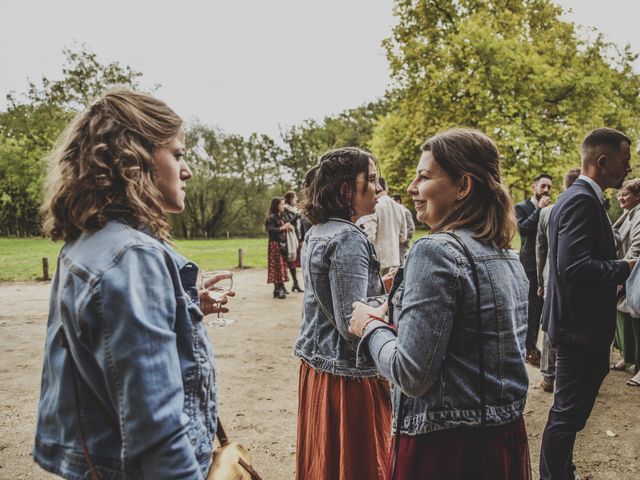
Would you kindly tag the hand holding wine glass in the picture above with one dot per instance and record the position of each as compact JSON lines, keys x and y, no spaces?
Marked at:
{"x":217,"y":286}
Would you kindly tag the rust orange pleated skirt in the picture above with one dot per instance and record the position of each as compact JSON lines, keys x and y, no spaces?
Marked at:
{"x":344,"y":427}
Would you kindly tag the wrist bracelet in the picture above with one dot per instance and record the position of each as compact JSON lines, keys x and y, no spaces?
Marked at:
{"x":366,"y":324}
{"x":372,"y":317}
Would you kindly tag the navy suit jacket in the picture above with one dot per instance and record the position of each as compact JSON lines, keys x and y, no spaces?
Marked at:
{"x":527,"y":215}
{"x":580,"y":308}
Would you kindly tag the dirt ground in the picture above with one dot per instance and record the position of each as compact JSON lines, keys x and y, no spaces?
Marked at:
{"x":257,"y":379}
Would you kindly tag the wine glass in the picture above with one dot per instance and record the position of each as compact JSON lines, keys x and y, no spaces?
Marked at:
{"x":217,"y":293}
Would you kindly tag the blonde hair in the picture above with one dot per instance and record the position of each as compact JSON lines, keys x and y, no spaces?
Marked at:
{"x":633,"y":185}
{"x":102,"y":167}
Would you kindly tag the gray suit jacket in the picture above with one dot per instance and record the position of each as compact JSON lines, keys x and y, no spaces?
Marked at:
{"x":542,"y":247}
{"x":627,"y":232}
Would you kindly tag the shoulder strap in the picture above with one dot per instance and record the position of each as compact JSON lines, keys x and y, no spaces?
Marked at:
{"x":483,"y":398}
{"x":92,"y":468}
{"x":483,"y":401}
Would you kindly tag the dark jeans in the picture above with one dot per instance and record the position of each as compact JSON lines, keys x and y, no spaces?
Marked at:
{"x":535,"y":311}
{"x":579,"y":373}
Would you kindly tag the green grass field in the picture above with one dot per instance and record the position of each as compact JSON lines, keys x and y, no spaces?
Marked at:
{"x":21,"y":258}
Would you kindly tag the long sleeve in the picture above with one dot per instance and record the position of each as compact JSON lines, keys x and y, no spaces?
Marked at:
{"x":349,"y":259}
{"x":272,"y":226}
{"x":404,"y":233}
{"x":575,"y":246}
{"x":542,"y":247}
{"x":526,"y":222}
{"x":633,"y":252}
{"x":412,"y":358}
{"x":142,"y":366}
{"x":411,"y":226}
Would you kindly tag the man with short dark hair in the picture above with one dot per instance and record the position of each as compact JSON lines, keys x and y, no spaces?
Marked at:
{"x":580,"y":310}
{"x":527,"y":214}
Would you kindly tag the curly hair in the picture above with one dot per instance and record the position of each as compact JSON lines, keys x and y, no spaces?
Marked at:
{"x":487,"y":210}
{"x":102,"y":167}
{"x":323,"y":191}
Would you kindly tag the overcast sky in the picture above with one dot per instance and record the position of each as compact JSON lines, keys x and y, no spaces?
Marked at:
{"x":241,"y":65}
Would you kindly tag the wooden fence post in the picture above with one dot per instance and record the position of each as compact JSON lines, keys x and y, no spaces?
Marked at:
{"x":45,"y":269}
{"x":241,"y":258}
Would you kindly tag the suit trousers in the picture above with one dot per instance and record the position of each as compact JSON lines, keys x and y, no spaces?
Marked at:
{"x":580,"y":371}
{"x":534,"y":313}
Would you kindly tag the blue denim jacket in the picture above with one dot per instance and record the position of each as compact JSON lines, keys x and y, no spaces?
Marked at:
{"x":433,"y":357}
{"x":128,"y":305}
{"x":339,"y":265}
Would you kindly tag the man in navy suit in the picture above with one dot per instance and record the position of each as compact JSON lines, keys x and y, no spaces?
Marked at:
{"x":580,"y":309}
{"x":528,"y":214}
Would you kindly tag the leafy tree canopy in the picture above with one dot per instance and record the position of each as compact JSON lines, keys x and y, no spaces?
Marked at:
{"x":32,"y":123}
{"x":512,"y":68}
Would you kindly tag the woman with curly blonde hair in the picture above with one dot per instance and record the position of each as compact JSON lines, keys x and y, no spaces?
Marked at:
{"x":128,"y":384}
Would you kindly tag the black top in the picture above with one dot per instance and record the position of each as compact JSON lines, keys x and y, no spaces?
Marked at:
{"x":580,"y":308}
{"x":527,"y":215}
{"x":273,"y":224}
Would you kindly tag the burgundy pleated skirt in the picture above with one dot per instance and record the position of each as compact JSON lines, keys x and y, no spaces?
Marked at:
{"x":456,"y":454}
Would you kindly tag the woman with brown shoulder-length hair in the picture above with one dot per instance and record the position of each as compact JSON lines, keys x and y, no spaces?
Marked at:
{"x":128,"y":384}
{"x":344,"y":411}
{"x":455,"y":352}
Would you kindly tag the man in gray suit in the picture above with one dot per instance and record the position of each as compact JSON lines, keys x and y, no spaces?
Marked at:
{"x":548,"y":356}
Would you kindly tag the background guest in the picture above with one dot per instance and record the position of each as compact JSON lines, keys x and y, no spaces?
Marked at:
{"x":277,"y":227}
{"x":548,"y":354}
{"x":627,"y":228}
{"x":387,"y":229}
{"x":292,"y":215}
{"x":411,"y":227}
{"x":528,"y":214}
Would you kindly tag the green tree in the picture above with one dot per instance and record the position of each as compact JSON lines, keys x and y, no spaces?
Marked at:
{"x":233,"y":181}
{"x":512,"y":68}
{"x":32,"y":122}
{"x":306,"y":142}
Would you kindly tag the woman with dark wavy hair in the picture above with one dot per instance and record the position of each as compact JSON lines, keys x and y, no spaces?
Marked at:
{"x":344,"y":411}
{"x":128,"y":384}
{"x":455,"y":352}
{"x":277,"y":228}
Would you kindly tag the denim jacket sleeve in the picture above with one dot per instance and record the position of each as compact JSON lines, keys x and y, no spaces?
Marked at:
{"x":348,"y":258}
{"x":138,"y":310}
{"x":412,"y":358}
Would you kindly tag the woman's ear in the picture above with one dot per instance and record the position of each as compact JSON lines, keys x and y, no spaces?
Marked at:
{"x":466,"y":185}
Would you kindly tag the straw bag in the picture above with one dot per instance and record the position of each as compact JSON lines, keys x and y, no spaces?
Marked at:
{"x":231,"y":461}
